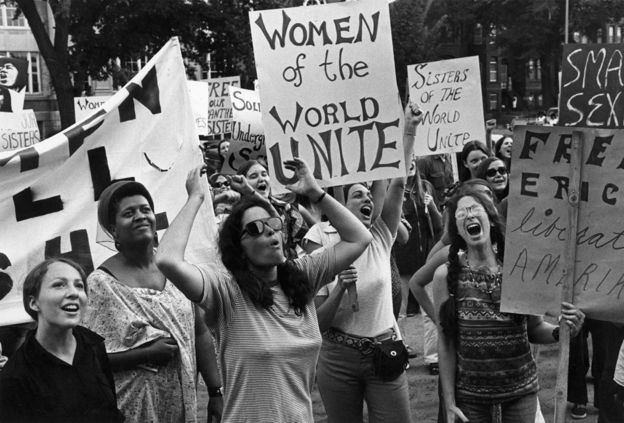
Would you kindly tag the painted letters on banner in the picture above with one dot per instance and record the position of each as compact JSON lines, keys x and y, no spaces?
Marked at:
{"x":85,"y":106}
{"x":328,"y":91}
{"x":219,"y":106}
{"x":18,"y":130}
{"x":592,"y":86}
{"x":537,"y":223}
{"x":49,"y":191}
{"x":449,"y":93}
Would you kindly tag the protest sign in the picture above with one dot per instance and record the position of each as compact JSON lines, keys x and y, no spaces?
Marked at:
{"x":537,"y":223}
{"x":85,"y":106}
{"x":328,"y":91}
{"x":49,"y":191}
{"x":449,"y":94}
{"x":18,"y":130}
{"x":219,"y":107}
{"x":592,"y":85}
{"x":198,"y":94}
{"x":247,"y":134}
{"x":13,"y":82}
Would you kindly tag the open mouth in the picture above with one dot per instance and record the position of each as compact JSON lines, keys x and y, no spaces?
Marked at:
{"x":473,"y":229}
{"x":71,"y":308}
{"x":366,"y":210}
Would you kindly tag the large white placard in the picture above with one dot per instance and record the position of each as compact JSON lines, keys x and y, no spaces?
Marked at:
{"x":449,"y":93}
{"x":328,"y":91}
{"x":49,"y":191}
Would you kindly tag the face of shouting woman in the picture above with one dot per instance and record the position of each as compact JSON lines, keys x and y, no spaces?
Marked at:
{"x":261,"y":238}
{"x":360,"y":203}
{"x":473,"y":222}
{"x":259,"y":179}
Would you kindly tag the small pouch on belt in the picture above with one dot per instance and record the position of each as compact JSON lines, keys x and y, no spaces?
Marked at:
{"x":390,"y":359}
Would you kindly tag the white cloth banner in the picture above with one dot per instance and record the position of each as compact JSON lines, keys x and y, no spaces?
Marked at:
{"x":449,"y":94}
{"x":328,"y":91}
{"x":198,"y":93}
{"x":85,"y":106}
{"x":49,"y":192}
{"x":18,"y":130}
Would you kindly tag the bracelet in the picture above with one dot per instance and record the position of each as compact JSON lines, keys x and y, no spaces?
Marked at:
{"x":320,"y":198}
{"x":555,"y":334}
{"x":215,"y":392}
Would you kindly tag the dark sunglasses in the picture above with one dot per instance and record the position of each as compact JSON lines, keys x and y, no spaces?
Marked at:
{"x":490,"y":173}
{"x":256,"y":227}
{"x":221,"y":184}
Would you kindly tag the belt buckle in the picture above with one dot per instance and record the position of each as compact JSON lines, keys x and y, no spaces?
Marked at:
{"x":367,"y":345}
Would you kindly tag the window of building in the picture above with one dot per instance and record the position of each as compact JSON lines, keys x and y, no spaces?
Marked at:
{"x":618,"y":34}
{"x":599,"y":36}
{"x":478,"y":34}
{"x":6,"y":18}
{"x":610,"y":33}
{"x":34,"y":68}
{"x":492,"y":34}
{"x":493,"y":69}
{"x":493,"y":101}
{"x":503,"y":76}
{"x":539,"y":69}
{"x":531,"y":70}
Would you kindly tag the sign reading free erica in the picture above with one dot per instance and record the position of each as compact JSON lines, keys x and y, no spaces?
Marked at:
{"x":328,"y":91}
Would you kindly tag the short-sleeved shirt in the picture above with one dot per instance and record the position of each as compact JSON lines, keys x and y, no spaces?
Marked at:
{"x":267,"y":356}
{"x":37,"y":386}
{"x":618,"y":375}
{"x":374,"y":283}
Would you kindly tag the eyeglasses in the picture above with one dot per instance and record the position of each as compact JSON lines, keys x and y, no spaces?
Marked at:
{"x":221,"y":184}
{"x":256,"y":227}
{"x":473,"y":210}
{"x":502,"y":171}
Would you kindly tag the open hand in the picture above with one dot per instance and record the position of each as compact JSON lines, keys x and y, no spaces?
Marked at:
{"x":306,"y":184}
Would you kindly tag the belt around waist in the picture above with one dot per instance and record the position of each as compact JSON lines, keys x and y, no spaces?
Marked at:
{"x":362,"y":343}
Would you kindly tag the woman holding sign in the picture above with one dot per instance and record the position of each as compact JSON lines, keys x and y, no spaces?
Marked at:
{"x":487,"y":371}
{"x":363,"y":356}
{"x":262,"y":307}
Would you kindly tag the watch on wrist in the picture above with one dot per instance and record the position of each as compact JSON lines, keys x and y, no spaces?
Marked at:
{"x":215,"y":392}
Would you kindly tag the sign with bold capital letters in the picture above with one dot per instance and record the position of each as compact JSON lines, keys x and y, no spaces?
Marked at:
{"x":18,"y":130}
{"x":219,"y":117}
{"x":538,"y":227}
{"x":449,"y":94}
{"x":328,"y":91}
{"x":592,"y":86}
{"x":49,"y":192}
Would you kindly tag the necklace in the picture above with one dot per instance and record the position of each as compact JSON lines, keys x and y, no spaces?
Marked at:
{"x":484,"y":278}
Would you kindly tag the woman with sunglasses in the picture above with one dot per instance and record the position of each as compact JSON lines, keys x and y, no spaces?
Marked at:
{"x":261,"y":306}
{"x":223,"y":198}
{"x":487,"y":372}
{"x":495,"y":172}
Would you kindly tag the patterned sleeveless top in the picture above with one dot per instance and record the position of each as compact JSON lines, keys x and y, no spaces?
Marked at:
{"x":494,"y":361}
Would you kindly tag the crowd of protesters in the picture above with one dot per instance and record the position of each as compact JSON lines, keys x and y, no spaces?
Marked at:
{"x":308,"y":288}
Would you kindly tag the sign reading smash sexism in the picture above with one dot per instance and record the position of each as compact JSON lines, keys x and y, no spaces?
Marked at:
{"x":537,"y":223}
{"x":592,"y":86}
{"x":449,"y":93}
{"x":328,"y":91}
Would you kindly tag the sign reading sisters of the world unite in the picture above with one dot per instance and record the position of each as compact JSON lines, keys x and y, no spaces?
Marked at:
{"x":328,"y":91}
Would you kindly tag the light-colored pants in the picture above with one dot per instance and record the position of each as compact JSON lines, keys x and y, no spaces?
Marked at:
{"x":346,"y":378}
{"x":430,"y":333}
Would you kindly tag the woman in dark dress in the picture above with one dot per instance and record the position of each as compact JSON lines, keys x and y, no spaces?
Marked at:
{"x":61,"y":372}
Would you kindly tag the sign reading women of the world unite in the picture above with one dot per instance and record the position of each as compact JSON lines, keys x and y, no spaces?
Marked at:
{"x":449,"y":93}
{"x":538,"y":229}
{"x":328,"y":91}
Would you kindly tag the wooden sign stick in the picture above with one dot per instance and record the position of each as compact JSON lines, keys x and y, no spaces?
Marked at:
{"x":569,"y":273}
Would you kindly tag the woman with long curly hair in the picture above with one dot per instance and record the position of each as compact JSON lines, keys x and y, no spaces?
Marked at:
{"x":487,"y":371}
{"x":262,"y":305}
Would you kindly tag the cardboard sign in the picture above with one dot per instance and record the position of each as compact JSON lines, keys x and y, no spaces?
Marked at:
{"x":592,"y":86}
{"x":328,"y":91}
{"x":49,"y":192}
{"x":18,"y":130}
{"x":247,"y":115}
{"x":239,"y":153}
{"x":537,"y":223}
{"x":86,"y":106}
{"x":198,"y":94}
{"x":219,"y":107}
{"x":449,"y":93}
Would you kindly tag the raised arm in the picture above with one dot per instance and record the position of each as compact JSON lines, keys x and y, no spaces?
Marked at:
{"x":170,"y":255}
{"x":354,"y":237}
{"x":393,"y":202}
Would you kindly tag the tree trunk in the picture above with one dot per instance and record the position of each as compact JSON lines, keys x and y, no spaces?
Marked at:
{"x":55,"y":56}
